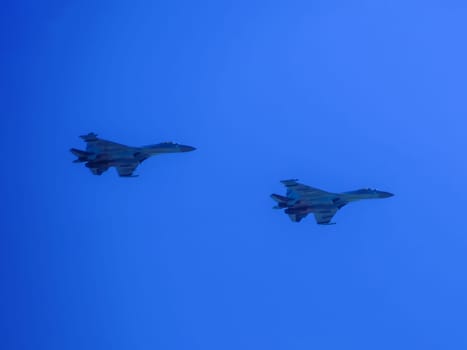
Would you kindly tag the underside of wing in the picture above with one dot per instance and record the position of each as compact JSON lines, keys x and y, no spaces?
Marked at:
{"x":98,"y":170}
{"x":126,"y":170}
{"x":297,"y":217}
{"x":324,"y":217}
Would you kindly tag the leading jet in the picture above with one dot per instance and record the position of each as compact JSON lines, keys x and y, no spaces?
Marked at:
{"x":101,"y":154}
{"x":302,"y":200}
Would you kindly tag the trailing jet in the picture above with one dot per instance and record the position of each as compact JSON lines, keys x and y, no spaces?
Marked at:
{"x":302,"y":200}
{"x":100,"y":154}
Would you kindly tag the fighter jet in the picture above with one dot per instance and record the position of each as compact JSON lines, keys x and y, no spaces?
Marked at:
{"x":302,"y":200}
{"x":100,"y":154}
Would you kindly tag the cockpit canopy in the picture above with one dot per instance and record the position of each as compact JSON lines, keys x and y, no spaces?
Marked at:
{"x":168,"y":144}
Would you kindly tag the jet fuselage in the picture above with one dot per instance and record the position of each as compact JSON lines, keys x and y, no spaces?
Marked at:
{"x":102,"y":154}
{"x":302,"y":200}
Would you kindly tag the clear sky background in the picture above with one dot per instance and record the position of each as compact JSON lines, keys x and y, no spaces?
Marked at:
{"x":339,"y":94}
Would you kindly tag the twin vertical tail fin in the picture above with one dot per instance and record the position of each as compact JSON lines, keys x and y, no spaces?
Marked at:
{"x":281,"y":201}
{"x":82,"y":155}
{"x":89,"y":137}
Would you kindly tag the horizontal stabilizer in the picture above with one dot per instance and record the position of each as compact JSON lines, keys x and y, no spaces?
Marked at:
{"x":281,"y":201}
{"x":82,"y":155}
{"x":278,"y":198}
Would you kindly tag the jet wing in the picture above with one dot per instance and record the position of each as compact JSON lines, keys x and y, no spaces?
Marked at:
{"x":297,"y":190}
{"x":297,"y":217}
{"x":98,"y":170}
{"x":126,"y":170}
{"x":97,"y":145}
{"x":324,"y":217}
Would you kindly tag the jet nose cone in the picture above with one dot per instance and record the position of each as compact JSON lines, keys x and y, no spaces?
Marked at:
{"x":184,"y":148}
{"x":386,"y":194}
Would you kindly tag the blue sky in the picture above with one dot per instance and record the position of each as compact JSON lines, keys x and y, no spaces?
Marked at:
{"x":190,"y":255}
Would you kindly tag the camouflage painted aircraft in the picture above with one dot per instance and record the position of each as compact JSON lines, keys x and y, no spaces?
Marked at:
{"x":100,"y":154}
{"x":302,"y":200}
